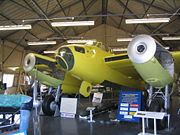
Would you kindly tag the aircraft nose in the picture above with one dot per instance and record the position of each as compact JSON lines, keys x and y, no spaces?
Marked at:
{"x":60,"y":60}
{"x":65,"y":58}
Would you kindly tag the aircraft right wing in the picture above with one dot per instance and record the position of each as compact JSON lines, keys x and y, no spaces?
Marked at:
{"x":176,"y":56}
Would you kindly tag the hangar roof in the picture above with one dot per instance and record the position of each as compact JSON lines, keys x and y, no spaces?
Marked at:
{"x":40,"y":14}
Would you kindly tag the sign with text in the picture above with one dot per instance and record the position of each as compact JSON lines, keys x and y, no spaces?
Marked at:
{"x":97,"y":97}
{"x":68,"y":107}
{"x":129,"y":103}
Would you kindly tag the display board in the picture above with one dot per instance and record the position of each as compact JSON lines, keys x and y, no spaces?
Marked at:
{"x":97,"y":97}
{"x":129,"y":103}
{"x":68,"y":107}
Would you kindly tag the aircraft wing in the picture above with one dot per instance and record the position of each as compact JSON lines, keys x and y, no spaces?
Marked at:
{"x":122,"y":63}
{"x":45,"y":79}
{"x":35,"y":64}
{"x":176,"y":56}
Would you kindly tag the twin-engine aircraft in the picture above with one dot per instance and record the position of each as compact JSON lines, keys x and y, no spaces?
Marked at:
{"x":146,"y":66}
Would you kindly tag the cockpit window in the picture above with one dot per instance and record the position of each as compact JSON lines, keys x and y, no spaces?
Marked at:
{"x":67,"y":54}
{"x":79,"y":49}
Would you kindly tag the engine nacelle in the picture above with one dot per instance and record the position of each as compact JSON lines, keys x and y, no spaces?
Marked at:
{"x":29,"y":62}
{"x":154,"y":63}
{"x":32,"y":59}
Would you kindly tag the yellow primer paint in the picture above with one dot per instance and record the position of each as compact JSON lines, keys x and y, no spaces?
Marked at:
{"x":92,"y":68}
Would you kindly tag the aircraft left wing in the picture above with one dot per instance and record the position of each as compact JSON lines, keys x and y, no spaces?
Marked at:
{"x":122,"y":63}
{"x":154,"y":64}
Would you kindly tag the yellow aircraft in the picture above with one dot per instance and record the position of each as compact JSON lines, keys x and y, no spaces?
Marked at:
{"x":147,"y":65}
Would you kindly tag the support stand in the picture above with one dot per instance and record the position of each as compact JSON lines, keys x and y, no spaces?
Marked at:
{"x":150,"y":115}
{"x":36,"y":104}
{"x":57,"y":110}
{"x":90,"y":109}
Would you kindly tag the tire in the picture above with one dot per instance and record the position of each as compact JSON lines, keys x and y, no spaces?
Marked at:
{"x":157,"y":106}
{"x":46,"y":105}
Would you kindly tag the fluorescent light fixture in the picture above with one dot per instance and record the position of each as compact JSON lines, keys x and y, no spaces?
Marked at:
{"x":124,"y":39}
{"x":13,"y":68}
{"x":42,"y":43}
{"x":119,"y":49}
{"x":72,"y":23}
{"x":171,"y":38}
{"x":15,"y":27}
{"x":167,"y":48}
{"x":81,"y":41}
{"x":147,"y":20}
{"x":48,"y":52}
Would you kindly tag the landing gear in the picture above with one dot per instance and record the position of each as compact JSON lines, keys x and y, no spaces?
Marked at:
{"x":159,"y":101}
{"x":157,"y":106}
{"x":50,"y":105}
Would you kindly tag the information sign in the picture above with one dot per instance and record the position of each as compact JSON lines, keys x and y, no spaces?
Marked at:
{"x":129,"y":103}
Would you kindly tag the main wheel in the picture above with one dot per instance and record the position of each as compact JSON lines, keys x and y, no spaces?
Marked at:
{"x":157,"y":105}
{"x":48,"y":105}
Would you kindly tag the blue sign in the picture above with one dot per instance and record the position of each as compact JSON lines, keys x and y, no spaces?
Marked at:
{"x":129,"y":103}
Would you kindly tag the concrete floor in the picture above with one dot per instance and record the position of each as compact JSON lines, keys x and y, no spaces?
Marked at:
{"x":70,"y":126}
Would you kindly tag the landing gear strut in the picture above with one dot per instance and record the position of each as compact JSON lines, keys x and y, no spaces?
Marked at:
{"x":159,"y":101}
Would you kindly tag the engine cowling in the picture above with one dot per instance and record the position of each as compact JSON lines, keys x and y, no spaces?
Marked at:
{"x":154,"y":63}
{"x":34,"y":61}
{"x":29,"y":62}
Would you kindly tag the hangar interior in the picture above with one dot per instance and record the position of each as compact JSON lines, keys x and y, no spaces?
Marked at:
{"x":110,"y":24}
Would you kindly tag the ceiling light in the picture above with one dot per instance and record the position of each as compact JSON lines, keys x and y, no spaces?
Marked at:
{"x":147,"y":20}
{"x":48,"y":52}
{"x":167,"y":48}
{"x":42,"y":43}
{"x":15,"y":27}
{"x":124,"y":39}
{"x":119,"y":49}
{"x":13,"y":68}
{"x":72,"y":23}
{"x":171,"y":38}
{"x":81,"y":41}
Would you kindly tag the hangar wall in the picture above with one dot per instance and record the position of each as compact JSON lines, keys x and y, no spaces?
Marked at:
{"x":9,"y":57}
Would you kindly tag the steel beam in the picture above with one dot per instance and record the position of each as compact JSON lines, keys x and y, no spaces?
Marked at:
{"x":121,"y":27}
{"x":159,"y":28}
{"x":154,"y":6}
{"x":24,"y":6}
{"x":16,"y":24}
{"x":169,"y":5}
{"x":48,"y":1}
{"x":66,"y":15}
{"x":149,"y":6}
{"x":14,"y":48}
{"x":147,"y":27}
{"x":44,"y":14}
{"x":88,"y":7}
{"x":104,"y":10}
{"x":66,"y":7}
{"x":123,"y":13}
{"x":84,"y":7}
